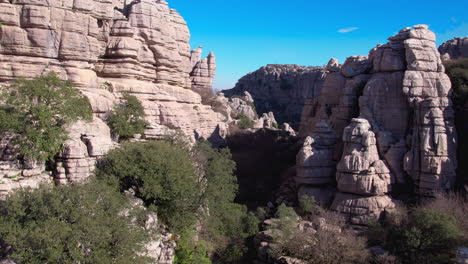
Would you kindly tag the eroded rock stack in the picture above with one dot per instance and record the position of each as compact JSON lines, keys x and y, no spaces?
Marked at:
{"x":363,"y":178}
{"x":316,"y":165}
{"x":281,"y":89}
{"x":453,"y":49}
{"x":203,"y":73}
{"x":405,"y":130}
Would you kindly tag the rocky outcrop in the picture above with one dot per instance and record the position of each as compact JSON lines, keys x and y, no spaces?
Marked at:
{"x":105,"y":48}
{"x":361,"y":172}
{"x":203,"y":73}
{"x":337,"y":101}
{"x":453,"y":49}
{"x":281,"y":89}
{"x":405,"y":130}
{"x":142,"y":49}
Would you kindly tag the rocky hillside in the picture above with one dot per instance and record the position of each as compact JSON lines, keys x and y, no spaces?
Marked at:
{"x":454,"y":49}
{"x":281,"y":89}
{"x":381,"y":124}
{"x":105,"y":48}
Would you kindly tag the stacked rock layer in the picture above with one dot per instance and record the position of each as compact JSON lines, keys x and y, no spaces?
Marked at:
{"x":405,"y":131}
{"x":105,"y":48}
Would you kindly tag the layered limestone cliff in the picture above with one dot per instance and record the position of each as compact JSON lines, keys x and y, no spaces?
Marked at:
{"x":453,"y":49}
{"x":405,"y":131}
{"x":281,"y":89}
{"x":105,"y":48}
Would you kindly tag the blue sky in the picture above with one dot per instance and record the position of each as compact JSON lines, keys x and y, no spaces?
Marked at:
{"x":247,"y":34}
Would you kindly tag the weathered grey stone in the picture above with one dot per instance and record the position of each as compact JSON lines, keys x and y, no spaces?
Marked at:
{"x":281,"y":89}
{"x":456,"y":48}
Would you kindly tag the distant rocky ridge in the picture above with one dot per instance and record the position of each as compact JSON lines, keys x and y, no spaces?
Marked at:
{"x":381,"y":121}
{"x":281,"y":89}
{"x":454,"y":49}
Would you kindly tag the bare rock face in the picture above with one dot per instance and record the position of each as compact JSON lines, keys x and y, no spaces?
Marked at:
{"x":203,"y":73}
{"x":315,"y":163}
{"x":142,"y":49}
{"x":281,"y":89}
{"x":337,"y":101}
{"x":454,"y":49}
{"x":87,"y":142}
{"x":405,"y":130}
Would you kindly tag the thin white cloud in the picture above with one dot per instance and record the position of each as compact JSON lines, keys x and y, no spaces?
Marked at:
{"x":346,"y":30}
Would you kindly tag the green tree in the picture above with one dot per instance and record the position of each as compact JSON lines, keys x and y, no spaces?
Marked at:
{"x":37,"y":110}
{"x":72,"y":224}
{"x":429,"y":237}
{"x":244,"y":122}
{"x":160,"y":174}
{"x":457,"y":70}
{"x":127,"y":118}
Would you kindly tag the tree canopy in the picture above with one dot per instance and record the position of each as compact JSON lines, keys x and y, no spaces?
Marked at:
{"x":37,"y":110}
{"x":90,"y":223}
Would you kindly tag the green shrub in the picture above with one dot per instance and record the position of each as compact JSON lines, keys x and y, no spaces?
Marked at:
{"x":429,"y":237}
{"x":190,"y":252}
{"x":72,"y":224}
{"x":244,"y":122}
{"x":457,"y":70}
{"x":127,"y":118}
{"x":160,"y":174}
{"x":37,"y":110}
{"x":307,"y":204}
{"x":228,"y":224}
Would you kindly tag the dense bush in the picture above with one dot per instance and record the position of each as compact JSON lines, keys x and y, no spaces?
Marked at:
{"x":127,"y":118}
{"x":457,"y":70}
{"x":426,"y":236}
{"x":244,"y":122}
{"x":37,"y":110}
{"x":452,"y":204}
{"x":186,"y":187}
{"x":72,"y":224}
{"x":307,"y":204}
{"x":160,"y":174}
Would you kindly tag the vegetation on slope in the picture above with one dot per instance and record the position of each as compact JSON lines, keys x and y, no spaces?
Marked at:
{"x":37,"y":110}
{"x":188,"y":188}
{"x":72,"y":224}
{"x":127,"y":118}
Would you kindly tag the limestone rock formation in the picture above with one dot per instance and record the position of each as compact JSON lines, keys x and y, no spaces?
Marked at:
{"x":86,"y":144}
{"x":105,"y":48}
{"x":203,"y":72}
{"x":361,"y":172}
{"x":405,"y":130}
{"x":281,"y":89}
{"x":142,"y":49}
{"x":454,"y":49}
